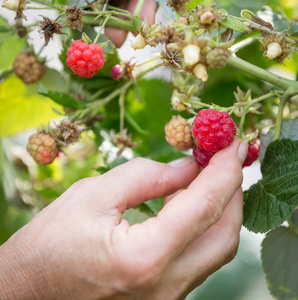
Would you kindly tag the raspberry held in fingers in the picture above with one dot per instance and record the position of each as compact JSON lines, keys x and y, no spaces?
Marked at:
{"x":213,"y":130}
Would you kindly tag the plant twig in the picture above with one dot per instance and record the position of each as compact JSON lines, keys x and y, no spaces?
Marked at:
{"x":283,"y":100}
{"x":262,"y":74}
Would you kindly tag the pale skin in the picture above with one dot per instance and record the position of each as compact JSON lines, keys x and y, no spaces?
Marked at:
{"x":79,"y":247}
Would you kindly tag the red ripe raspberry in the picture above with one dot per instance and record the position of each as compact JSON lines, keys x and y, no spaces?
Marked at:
{"x":252,"y":153}
{"x":202,"y":156}
{"x":85,"y":59}
{"x":213,"y":130}
{"x":43,"y":148}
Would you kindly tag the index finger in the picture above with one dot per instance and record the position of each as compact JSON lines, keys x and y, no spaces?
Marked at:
{"x":188,"y":215}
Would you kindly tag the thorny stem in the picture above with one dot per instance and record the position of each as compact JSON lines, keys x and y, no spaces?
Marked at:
{"x":263,"y":28}
{"x":262,"y":74}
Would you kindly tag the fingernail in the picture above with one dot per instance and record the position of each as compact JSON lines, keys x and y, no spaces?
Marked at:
{"x":181,"y":162}
{"x":242,"y":151}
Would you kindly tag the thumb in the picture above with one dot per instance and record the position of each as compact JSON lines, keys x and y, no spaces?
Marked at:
{"x":194,"y":210}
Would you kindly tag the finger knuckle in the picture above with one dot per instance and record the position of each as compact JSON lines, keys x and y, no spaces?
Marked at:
{"x":212,"y":208}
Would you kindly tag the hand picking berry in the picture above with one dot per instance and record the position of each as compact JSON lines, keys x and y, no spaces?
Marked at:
{"x":252,"y":154}
{"x":202,"y":156}
{"x":85,"y":59}
{"x":213,"y":130}
{"x":178,"y":133}
{"x":43,"y":148}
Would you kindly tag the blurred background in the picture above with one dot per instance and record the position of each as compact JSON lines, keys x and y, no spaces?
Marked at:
{"x":25,"y":187}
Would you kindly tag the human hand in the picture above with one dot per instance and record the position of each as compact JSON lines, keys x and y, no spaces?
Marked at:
{"x":79,"y":247}
{"x":149,"y":8}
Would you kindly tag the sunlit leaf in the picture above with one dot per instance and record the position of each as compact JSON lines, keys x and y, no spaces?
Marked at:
{"x":20,"y":108}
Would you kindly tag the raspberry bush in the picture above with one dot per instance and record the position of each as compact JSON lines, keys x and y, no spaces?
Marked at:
{"x":232,"y":75}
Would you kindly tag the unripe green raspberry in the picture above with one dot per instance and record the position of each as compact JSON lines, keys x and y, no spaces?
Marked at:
{"x":43,"y":148}
{"x":28,"y":68}
{"x":218,"y":58}
{"x":178,"y":133}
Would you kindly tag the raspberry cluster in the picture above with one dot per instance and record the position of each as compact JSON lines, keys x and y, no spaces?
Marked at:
{"x":178,"y":133}
{"x":85,"y":59}
{"x":252,"y":153}
{"x":213,"y":130}
{"x":28,"y":68}
{"x":43,"y":148}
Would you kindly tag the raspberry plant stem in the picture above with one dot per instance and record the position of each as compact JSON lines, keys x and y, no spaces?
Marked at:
{"x":129,"y":25}
{"x":283,"y":100}
{"x":138,"y":8}
{"x":122,"y":108}
{"x":262,"y":74}
{"x":101,"y":28}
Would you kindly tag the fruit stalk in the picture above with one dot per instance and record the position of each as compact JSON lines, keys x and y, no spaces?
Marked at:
{"x":101,"y":28}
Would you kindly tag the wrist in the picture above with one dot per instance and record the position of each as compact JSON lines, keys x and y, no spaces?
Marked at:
{"x":20,"y":276}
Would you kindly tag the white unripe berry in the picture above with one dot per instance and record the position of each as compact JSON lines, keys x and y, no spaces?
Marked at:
{"x":138,"y":42}
{"x":274,"y":50}
{"x":207,"y":17}
{"x":11,"y":4}
{"x":200,"y":71}
{"x":191,"y":54}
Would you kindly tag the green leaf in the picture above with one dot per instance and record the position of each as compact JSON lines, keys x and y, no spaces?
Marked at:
{"x":22,"y":108}
{"x":272,"y":200}
{"x":235,"y":24}
{"x":289,"y":130}
{"x":60,"y":98}
{"x":9,"y":49}
{"x":294,"y":219}
{"x":280,"y":263}
{"x":193,"y":4}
